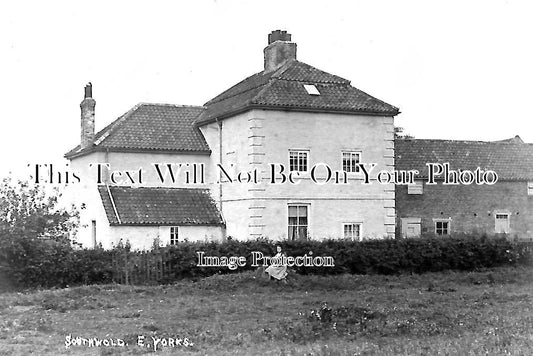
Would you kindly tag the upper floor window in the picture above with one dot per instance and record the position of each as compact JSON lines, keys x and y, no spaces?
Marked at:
{"x":352,"y":231}
{"x":298,"y":160}
{"x":350,"y":161}
{"x":529,"y":188}
{"x":417,"y":188}
{"x":173,"y":235}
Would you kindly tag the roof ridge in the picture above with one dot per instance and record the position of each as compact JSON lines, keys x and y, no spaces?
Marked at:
{"x":114,"y":124}
{"x":283,"y":68}
{"x":315,"y":83}
{"x":153,"y":188}
{"x":462,"y":141}
{"x":215,"y":100}
{"x":108,"y":129}
{"x":272,"y":74}
{"x":237,"y":93}
{"x":381,"y":101}
{"x":174,"y":105}
{"x":340,"y":80}
{"x":260,"y":93}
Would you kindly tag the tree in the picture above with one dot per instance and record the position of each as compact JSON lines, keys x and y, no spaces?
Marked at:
{"x":35,"y":235}
{"x":398,"y":134}
{"x":29,"y":210}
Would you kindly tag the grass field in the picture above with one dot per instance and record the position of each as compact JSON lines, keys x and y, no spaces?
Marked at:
{"x":488,"y":312}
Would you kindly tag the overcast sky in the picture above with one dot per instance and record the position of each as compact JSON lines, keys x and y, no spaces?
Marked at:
{"x":456,"y":69}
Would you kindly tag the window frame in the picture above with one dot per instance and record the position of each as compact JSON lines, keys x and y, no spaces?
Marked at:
{"x":448,"y":226}
{"x":298,"y":152}
{"x":174,"y":235}
{"x":406,"y":222}
{"x":507,"y":218}
{"x":94,"y":233}
{"x":415,"y":189}
{"x":357,"y":168}
{"x":297,"y":225}
{"x":311,"y":89}
{"x":354,"y":223}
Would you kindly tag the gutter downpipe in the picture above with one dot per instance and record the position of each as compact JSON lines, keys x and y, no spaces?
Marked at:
{"x":219,"y":123}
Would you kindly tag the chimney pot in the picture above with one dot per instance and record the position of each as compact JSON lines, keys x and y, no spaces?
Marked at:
{"x":279,"y":35}
{"x":88,"y":90}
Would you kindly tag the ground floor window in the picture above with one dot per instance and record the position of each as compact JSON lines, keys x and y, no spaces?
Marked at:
{"x":442,"y":227}
{"x":352,"y":231}
{"x":298,"y":222}
{"x":173,"y":235}
{"x":411,"y":227}
{"x":502,"y":223}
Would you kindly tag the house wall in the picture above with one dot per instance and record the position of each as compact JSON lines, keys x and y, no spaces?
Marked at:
{"x":86,"y":194}
{"x":142,"y":237}
{"x":326,"y":217}
{"x":255,"y":139}
{"x":472,"y":208}
{"x":87,"y":199}
{"x":326,"y":136}
{"x":230,"y":142}
{"x":250,"y":142}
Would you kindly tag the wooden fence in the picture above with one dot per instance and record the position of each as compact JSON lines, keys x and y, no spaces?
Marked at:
{"x":143,"y":267}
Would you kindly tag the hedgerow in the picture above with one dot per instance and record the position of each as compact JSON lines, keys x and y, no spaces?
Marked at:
{"x":36,"y":262}
{"x":33,"y":262}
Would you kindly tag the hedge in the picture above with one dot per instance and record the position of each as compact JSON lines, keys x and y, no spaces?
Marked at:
{"x":34,"y":262}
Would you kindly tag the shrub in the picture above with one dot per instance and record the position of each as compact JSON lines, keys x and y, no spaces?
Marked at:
{"x":36,"y":262}
{"x":32,"y":262}
{"x":368,"y":257}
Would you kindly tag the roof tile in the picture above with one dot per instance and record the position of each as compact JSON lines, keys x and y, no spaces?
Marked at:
{"x":510,"y":160}
{"x":159,"y":206}
{"x":152,"y":127}
{"x":283,"y":88}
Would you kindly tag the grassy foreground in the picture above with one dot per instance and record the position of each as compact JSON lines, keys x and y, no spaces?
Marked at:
{"x":488,"y":312}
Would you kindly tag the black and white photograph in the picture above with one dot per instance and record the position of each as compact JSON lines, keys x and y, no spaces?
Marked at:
{"x":230,"y":177}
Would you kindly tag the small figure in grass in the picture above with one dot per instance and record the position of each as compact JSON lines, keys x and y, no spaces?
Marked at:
{"x":278,"y":269}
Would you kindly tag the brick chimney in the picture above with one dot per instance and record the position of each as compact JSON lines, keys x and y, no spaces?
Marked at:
{"x":279,"y":50}
{"x":87,"y":117}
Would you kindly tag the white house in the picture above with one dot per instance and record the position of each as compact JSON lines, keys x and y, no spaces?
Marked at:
{"x":289,"y":118}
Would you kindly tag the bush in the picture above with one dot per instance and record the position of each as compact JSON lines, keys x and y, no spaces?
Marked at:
{"x":32,"y":262}
{"x":368,"y":257}
{"x":37,"y":262}
{"x":35,"y":247}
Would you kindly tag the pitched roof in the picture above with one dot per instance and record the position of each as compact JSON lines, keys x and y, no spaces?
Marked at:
{"x":515,"y":139}
{"x":283,"y":89}
{"x":162,"y":127}
{"x":509,"y":159}
{"x":159,"y":206}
